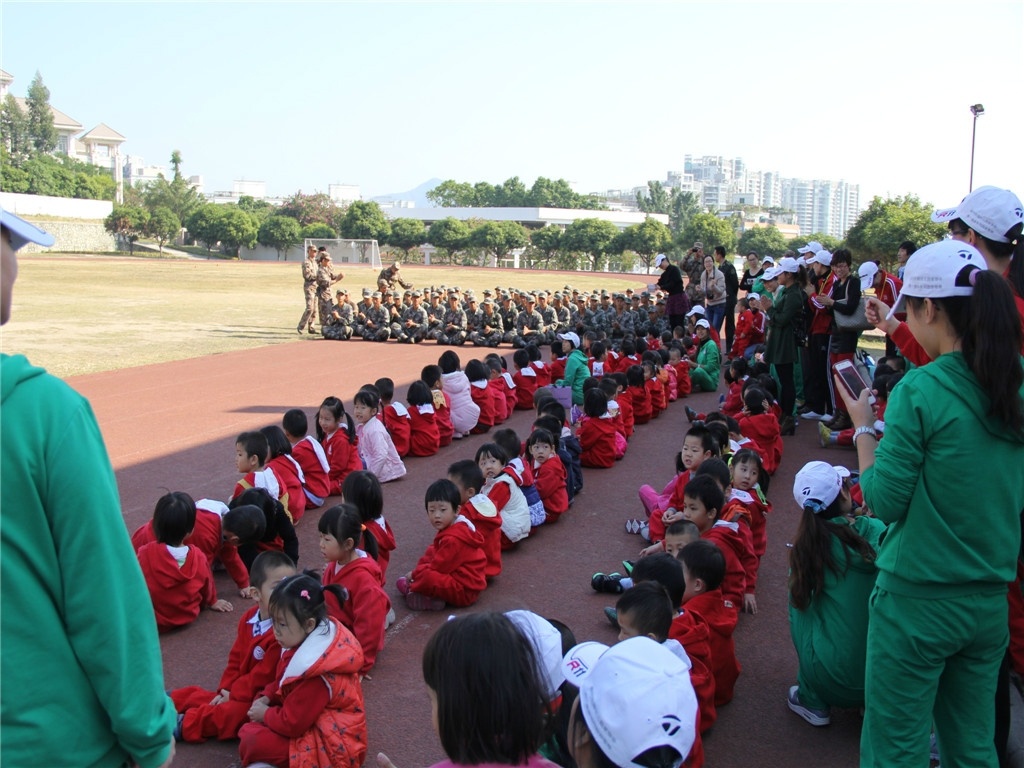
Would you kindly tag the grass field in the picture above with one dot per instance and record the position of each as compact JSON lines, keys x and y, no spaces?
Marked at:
{"x":85,"y":315}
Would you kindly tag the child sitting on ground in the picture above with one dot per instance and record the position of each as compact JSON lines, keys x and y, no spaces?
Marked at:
{"x":251,"y":453}
{"x":521,"y":472}
{"x":289,"y":473}
{"x":677,"y":536}
{"x":558,"y":360}
{"x":464,"y":411}
{"x":431,"y":376}
{"x":351,"y":554}
{"x":525,"y":380}
{"x":761,"y":425}
{"x":598,"y":360}
{"x":496,"y":386}
{"x":502,"y":489}
{"x":375,"y":446}
{"x":479,"y":510}
{"x":262,"y":512}
{"x":549,"y":474}
{"x":747,"y":474}
{"x":363,"y":491}
{"x":395,"y":416}
{"x":451,"y":571}
{"x":478,"y":375}
{"x":537,"y":363}
{"x":640,"y":396}
{"x":252,"y":663}
{"x":177,"y":575}
{"x":316,"y":705}
{"x":597,"y":432}
{"x":425,"y":437}
{"x":676,"y":355}
{"x":310,"y":457}
{"x":337,"y":434}
{"x":507,"y":384}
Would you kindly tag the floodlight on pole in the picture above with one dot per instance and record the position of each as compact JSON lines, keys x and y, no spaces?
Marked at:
{"x":976,"y":110}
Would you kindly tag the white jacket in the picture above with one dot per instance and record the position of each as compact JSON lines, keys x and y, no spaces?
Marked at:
{"x":465,"y":413}
{"x":515,"y":517}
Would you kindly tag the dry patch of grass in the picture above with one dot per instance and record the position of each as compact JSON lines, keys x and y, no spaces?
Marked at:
{"x":85,"y":315}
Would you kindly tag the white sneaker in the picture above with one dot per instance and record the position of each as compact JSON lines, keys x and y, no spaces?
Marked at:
{"x":812,"y":716}
{"x":814,"y":415}
{"x":390,"y":618}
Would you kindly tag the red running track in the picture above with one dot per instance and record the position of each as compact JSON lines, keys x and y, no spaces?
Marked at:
{"x":172,"y":426}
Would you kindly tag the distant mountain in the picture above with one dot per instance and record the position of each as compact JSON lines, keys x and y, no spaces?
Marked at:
{"x":417,"y":195}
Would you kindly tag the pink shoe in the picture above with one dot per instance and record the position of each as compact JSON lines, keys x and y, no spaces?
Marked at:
{"x":419,"y":602}
{"x":402,"y":584}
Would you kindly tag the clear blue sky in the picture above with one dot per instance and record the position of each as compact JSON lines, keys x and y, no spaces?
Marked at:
{"x":605,"y":95}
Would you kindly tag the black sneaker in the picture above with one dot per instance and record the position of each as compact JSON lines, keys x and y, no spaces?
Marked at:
{"x":627,"y":566}
{"x":608,"y":583}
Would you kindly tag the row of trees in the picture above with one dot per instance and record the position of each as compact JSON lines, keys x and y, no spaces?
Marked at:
{"x":512,"y":193}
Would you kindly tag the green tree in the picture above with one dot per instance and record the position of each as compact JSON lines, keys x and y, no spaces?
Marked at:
{"x":511,"y":194}
{"x":452,"y":194}
{"x":829,"y":243}
{"x":311,"y":209}
{"x":592,"y":237}
{"x":543,"y":194}
{"x":128,"y":222}
{"x":236,"y":229}
{"x":548,"y":241}
{"x":365,"y":221}
{"x":684,"y":206}
{"x":176,"y":194}
{"x":887,"y":223}
{"x":646,"y":239}
{"x":657,"y":199}
{"x":164,"y":226}
{"x":176,"y":162}
{"x":499,"y":237}
{"x":261,"y":209}
{"x":17,"y":140}
{"x":40,"y":116}
{"x":407,"y":234}
{"x":450,"y":235}
{"x":317,"y":230}
{"x":203,"y":224}
{"x":280,"y":233}
{"x":765,"y":241}
{"x":708,"y":229}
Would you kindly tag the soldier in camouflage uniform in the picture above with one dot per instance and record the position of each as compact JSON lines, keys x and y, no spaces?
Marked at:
{"x":639,"y":313}
{"x":325,"y":278}
{"x":547,"y":313}
{"x":619,"y":319}
{"x":388,"y":277}
{"x":529,"y":325}
{"x":361,"y":309}
{"x":378,"y":321}
{"x":412,"y":327}
{"x":309,"y":290}
{"x":339,"y":323}
{"x":563,"y":317}
{"x":654,"y":325}
{"x":453,"y":324}
{"x":489,"y":329}
{"x":508,"y":315}
{"x":470,"y":307}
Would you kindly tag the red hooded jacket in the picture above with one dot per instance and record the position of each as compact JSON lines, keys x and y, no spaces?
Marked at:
{"x":720,"y":617}
{"x":178,"y":593}
{"x":366,"y":608}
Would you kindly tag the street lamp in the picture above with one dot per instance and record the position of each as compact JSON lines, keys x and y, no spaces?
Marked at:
{"x":976,"y":110}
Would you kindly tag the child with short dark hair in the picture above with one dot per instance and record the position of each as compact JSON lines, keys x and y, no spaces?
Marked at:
{"x":432,"y":377}
{"x":497,"y":388}
{"x":747,"y":474}
{"x":479,"y":510}
{"x":645,"y":610}
{"x":521,"y":472}
{"x":277,"y":531}
{"x":682,"y":370}
{"x":309,"y":455}
{"x":337,"y":434}
{"x":761,"y":425}
{"x":478,"y":375}
{"x":251,"y":454}
{"x":597,"y":432}
{"x":641,"y":398}
{"x":376,"y":448}
{"x":525,"y":380}
{"x":558,"y":360}
{"x":252,"y":663}
{"x":452,"y":570}
{"x":537,"y":363}
{"x":287,"y":470}
{"x":501,"y":488}
{"x":177,"y":575}
{"x":549,"y":474}
{"x":508,"y":384}
{"x":464,"y":411}
{"x":598,"y":360}
{"x":425,"y":436}
{"x":395,"y":416}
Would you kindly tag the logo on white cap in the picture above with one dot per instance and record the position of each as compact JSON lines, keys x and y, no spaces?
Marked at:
{"x":939,"y":270}
{"x":990,"y":211}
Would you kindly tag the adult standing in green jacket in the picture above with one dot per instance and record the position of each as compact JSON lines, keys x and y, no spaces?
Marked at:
{"x":780,"y":347}
{"x":81,"y":680}
{"x":577,"y":370}
{"x":705,"y":369}
{"x":947,"y":481}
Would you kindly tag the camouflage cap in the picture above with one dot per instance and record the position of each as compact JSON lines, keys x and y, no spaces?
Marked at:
{"x":488,"y":300}
{"x":416,"y":294}
{"x":376,"y":294}
{"x":366,"y":292}
{"x":605,"y":295}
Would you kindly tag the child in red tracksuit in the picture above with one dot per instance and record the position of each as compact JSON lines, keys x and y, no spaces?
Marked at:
{"x":746,"y":472}
{"x":675,"y":360}
{"x":655,"y":389}
{"x":286,"y":468}
{"x":558,"y":361}
{"x":521,"y":472}
{"x":502,"y":487}
{"x":507,"y":384}
{"x":451,"y":571}
{"x":637,"y":387}
{"x":363,"y":491}
{"x":394,"y":416}
{"x":425,"y":439}
{"x":596,"y":431}
{"x":178,"y":576}
{"x":337,"y":434}
{"x":480,"y":511}
{"x":251,"y":453}
{"x":312,"y":713}
{"x":478,"y":375}
{"x":252,"y":662}
{"x":525,"y":380}
{"x":624,"y":399}
{"x":432,"y":377}
{"x":549,"y":474}
{"x":355,"y":569}
{"x":309,"y":455}
{"x":212,"y":535}
{"x":704,"y":500}
{"x":496,"y":388}
{"x":703,"y":569}
{"x":761,"y":425}
{"x":542,"y":370}
{"x":698,"y":446}
{"x":750,"y":326}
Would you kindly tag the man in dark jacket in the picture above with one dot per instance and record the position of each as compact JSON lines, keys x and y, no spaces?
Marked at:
{"x":732,"y":287}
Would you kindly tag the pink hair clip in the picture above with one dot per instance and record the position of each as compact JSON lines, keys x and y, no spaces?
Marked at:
{"x":305,"y":593}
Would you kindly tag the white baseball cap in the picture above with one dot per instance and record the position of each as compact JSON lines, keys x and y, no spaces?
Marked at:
{"x":634,"y":696}
{"x":703,"y":324}
{"x":866,"y":272}
{"x":786,"y":264}
{"x":818,"y":483}
{"x":754,"y":296}
{"x":659,"y":258}
{"x":821,"y":257}
{"x":23,"y":233}
{"x":570,"y":336}
{"x":812,"y":247}
{"x":990,"y":211}
{"x":547,"y":644}
{"x":939,"y":270}
{"x":697,"y":310}
{"x":767,"y":260}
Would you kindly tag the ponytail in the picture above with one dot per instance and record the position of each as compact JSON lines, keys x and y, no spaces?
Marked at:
{"x":337,"y":409}
{"x":1016,"y":272}
{"x":303,"y":596}
{"x":342,"y":521}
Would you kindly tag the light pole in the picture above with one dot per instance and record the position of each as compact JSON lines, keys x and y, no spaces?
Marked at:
{"x":976,"y":110}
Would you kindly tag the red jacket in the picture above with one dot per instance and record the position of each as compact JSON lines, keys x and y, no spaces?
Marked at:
{"x":740,"y":564}
{"x":641,"y":404}
{"x":366,"y":608}
{"x":733,"y":405}
{"x":484,"y":398}
{"x":385,"y":544}
{"x":396,"y":420}
{"x":822,"y":317}
{"x":683,"y":385}
{"x":693,"y":635}
{"x":656,"y":391}
{"x":558,"y":368}
{"x":496,"y":387}
{"x":508,"y":387}
{"x":208,"y":538}
{"x":599,"y":368}
{"x":289,"y":475}
{"x":656,"y":527}
{"x":314,"y":472}
{"x":549,"y":478}
{"x":453,"y":566}
{"x":597,"y":439}
{"x":484,"y":516}
{"x":178,"y":593}
{"x":622,"y":364}
{"x":526,"y":384}
{"x":763,"y":429}
{"x":543,"y":373}
{"x":443,"y":417}
{"x":342,"y":456}
{"x":720,"y":616}
{"x":625,"y":401}
{"x":425,"y":439}
{"x":252,"y":660}
{"x":265,"y":478}
{"x":757,"y":508}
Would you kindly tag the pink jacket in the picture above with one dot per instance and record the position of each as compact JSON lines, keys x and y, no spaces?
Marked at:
{"x":377,"y":451}
{"x":465,"y":413}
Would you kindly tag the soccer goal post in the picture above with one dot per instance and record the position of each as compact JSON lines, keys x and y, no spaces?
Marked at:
{"x":357,"y":253}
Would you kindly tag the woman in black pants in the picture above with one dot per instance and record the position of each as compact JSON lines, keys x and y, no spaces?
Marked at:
{"x":781,"y":348}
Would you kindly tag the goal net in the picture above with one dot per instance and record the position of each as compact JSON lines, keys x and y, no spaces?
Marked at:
{"x":358,"y":253}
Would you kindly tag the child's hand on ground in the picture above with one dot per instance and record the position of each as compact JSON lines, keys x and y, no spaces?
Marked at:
{"x":222,"y":606}
{"x":258,"y":709}
{"x":749,"y":604}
